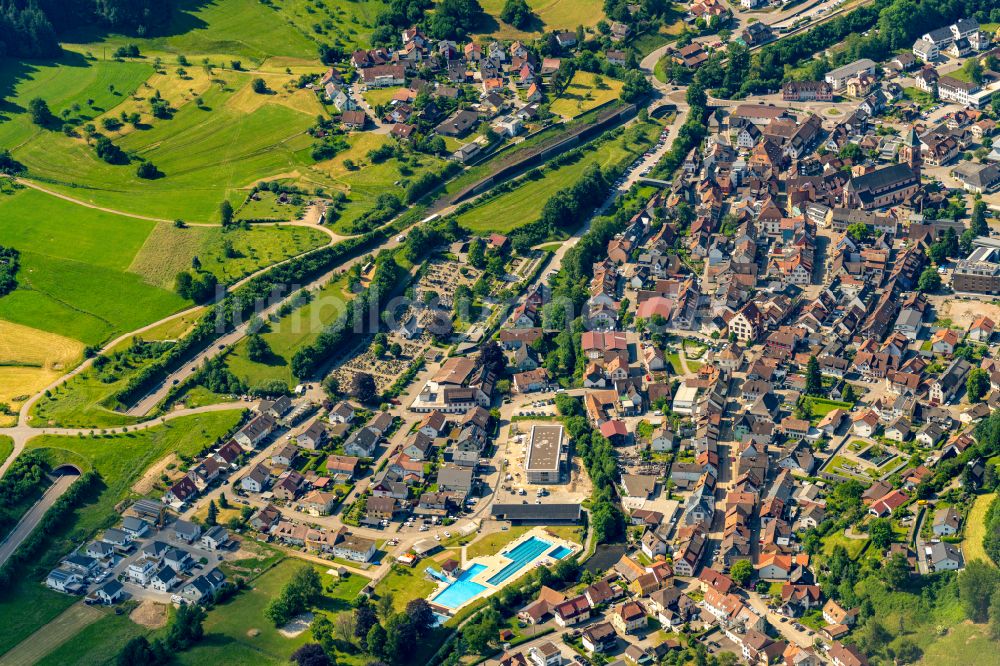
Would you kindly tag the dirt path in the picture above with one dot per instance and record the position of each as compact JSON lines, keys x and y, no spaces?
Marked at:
{"x":64,"y":627}
{"x":148,"y":480}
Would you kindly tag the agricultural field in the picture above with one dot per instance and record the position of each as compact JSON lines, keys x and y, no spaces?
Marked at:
{"x":73,"y":284}
{"x":238,"y":632}
{"x":121,"y":459}
{"x":222,"y":32}
{"x":522,"y":205}
{"x":290,"y":333}
{"x":549,"y":15}
{"x":586,"y":91}
{"x":30,"y":360}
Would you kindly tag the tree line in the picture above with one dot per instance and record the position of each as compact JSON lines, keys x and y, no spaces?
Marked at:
{"x":239,"y":305}
{"x":10,"y":262}
{"x":31,"y":29}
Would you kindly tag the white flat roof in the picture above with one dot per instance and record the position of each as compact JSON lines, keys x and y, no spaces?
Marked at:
{"x":544,"y":447}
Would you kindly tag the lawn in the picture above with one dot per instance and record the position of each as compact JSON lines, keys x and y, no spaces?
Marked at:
{"x":290,"y":333}
{"x":922,"y":99}
{"x":6,"y":447}
{"x":975,"y":529}
{"x":120,"y":459}
{"x":585,"y":92}
{"x":837,"y":538}
{"x":380,"y":96}
{"x":405,"y":584}
{"x":523,"y":204}
{"x":821,"y":406}
{"x":494,"y":543}
{"x":72,"y":281}
{"x":229,"y":625}
{"x":549,"y":15}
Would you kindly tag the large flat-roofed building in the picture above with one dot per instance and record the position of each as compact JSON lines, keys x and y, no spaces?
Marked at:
{"x":542,"y":463}
{"x":980,"y":272}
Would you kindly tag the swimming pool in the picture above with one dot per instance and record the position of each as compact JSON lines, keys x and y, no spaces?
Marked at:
{"x":462,"y":589}
{"x":560,"y":552}
{"x":525,"y":552}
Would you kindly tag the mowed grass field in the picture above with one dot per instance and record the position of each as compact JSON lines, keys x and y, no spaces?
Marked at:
{"x":229,"y":625}
{"x":220,"y":30}
{"x":550,"y":15}
{"x":6,"y":447}
{"x":72,"y":280}
{"x":289,"y":334}
{"x":975,"y":530}
{"x":523,"y":204}
{"x":585,"y":92}
{"x":76,"y":284}
{"x":965,"y":643}
{"x":121,"y":459}
{"x":31,"y":359}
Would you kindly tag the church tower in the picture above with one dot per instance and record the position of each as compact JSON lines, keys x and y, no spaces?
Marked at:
{"x":910,"y":152}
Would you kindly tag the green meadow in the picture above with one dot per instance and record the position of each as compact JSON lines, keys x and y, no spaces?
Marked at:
{"x":75,"y":283}
{"x":229,"y":626}
{"x":220,"y":30}
{"x":524,"y":203}
{"x":290,"y":333}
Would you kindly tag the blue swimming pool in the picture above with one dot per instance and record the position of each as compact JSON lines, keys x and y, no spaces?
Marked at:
{"x":560,"y":552}
{"x":519,"y":557}
{"x":462,"y":589}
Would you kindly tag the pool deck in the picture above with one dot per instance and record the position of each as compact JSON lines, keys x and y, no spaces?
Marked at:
{"x":496,"y":562}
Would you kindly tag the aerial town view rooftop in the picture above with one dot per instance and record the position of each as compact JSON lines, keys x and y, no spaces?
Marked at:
{"x":504,"y":332}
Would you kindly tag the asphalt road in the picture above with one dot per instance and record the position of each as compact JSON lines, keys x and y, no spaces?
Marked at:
{"x":34,"y":514}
